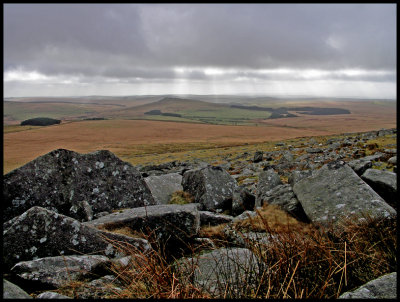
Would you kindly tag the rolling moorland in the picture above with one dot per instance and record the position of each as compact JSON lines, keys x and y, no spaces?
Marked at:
{"x":188,"y":126}
{"x":257,"y":161}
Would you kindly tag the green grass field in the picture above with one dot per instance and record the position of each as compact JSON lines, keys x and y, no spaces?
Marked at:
{"x":227,"y":116}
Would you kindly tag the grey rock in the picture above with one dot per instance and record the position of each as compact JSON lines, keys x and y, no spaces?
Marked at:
{"x":384,"y":287}
{"x":393,"y":160}
{"x":335,"y":192}
{"x":74,"y":184}
{"x":211,"y":219}
{"x":39,"y":233}
{"x":212,"y":187}
{"x":12,"y":291}
{"x":384,"y":183}
{"x":287,"y":156}
{"x":51,"y":295}
{"x":266,"y":181}
{"x":374,"y":157}
{"x":283,"y":196}
{"x":171,"y":224}
{"x":163,"y":186}
{"x":297,"y":175}
{"x":60,"y":270}
{"x":245,"y":215}
{"x":334,"y":146}
{"x":221,"y":271}
{"x":312,"y":142}
{"x":390,"y":151}
{"x":242,"y":200}
{"x":384,"y":132}
{"x":359,"y":165}
{"x":314,"y":150}
{"x":258,"y":156}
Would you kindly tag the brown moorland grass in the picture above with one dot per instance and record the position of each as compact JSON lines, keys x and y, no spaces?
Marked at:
{"x":364,"y":116}
{"x":131,"y":138}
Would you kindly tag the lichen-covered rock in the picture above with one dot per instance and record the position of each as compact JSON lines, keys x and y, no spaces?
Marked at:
{"x":73,"y":184}
{"x":384,"y":183}
{"x":58,"y":271}
{"x":212,"y":187}
{"x":266,"y":181}
{"x":335,"y":191}
{"x":12,"y":291}
{"x":171,"y":223}
{"x":384,"y":287}
{"x":39,"y":233}
{"x":242,"y":200}
{"x":163,"y":186}
{"x":221,"y":271}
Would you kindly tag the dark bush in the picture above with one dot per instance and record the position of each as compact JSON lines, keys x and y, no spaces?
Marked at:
{"x":40,"y":121}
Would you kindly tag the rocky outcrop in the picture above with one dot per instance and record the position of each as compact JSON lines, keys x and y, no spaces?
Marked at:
{"x":384,"y":183}
{"x":39,"y":233}
{"x":335,"y":191}
{"x":54,"y":272}
{"x":222,"y":271}
{"x":384,"y":287}
{"x":73,"y":184}
{"x":212,"y":187}
{"x":162,"y":186}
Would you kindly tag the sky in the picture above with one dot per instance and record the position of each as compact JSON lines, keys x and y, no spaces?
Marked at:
{"x":331,"y":50}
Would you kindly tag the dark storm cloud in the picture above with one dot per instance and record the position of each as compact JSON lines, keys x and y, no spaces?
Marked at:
{"x":150,"y":40}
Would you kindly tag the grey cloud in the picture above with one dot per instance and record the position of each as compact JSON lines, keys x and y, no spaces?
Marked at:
{"x":149,"y":40}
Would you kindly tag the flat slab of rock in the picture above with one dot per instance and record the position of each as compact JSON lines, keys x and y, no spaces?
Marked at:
{"x":212,"y":187}
{"x":335,"y":191}
{"x":163,"y":186}
{"x":57,"y":271}
{"x":39,"y":233}
{"x":210,"y":219}
{"x":384,"y":183}
{"x":220,"y":270}
{"x":384,"y":287}
{"x":177,"y":221}
{"x":12,"y":291}
{"x":74,"y":184}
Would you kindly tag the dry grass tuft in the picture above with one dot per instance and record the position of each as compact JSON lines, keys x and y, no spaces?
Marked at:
{"x":273,"y":219}
{"x":181,"y":197}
